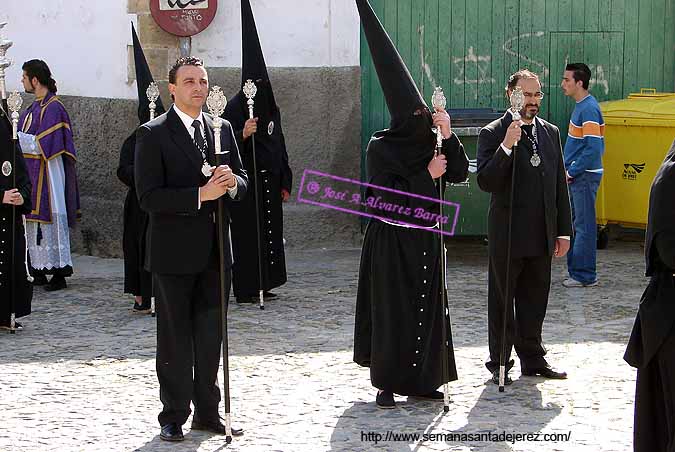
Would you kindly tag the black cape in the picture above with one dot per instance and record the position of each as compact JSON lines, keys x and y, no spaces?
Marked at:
{"x":24,"y":288}
{"x":651,"y":348}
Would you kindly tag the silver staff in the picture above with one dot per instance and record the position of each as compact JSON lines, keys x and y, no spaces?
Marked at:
{"x":438,"y":101}
{"x":153,"y":94}
{"x":14,"y":104}
{"x":517,"y":100}
{"x":250,"y":90}
{"x":4,"y":64}
{"x":216,"y":103}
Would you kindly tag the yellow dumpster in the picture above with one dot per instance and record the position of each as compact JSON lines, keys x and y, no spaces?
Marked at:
{"x":639,"y":131}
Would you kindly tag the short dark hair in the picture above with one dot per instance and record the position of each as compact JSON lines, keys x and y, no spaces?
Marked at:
{"x":582,"y":73}
{"x":38,"y":69}
{"x":180,"y":62}
{"x":518,"y":75}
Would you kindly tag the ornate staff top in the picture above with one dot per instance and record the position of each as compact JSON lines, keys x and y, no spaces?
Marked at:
{"x":438,"y":100}
{"x":250,"y":90}
{"x":14,"y":103}
{"x":216,"y":102}
{"x":517,"y":99}
{"x":153,"y":94}
{"x":4,"y":61}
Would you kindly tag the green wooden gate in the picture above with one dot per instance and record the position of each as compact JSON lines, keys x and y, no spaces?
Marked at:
{"x":470,"y":47}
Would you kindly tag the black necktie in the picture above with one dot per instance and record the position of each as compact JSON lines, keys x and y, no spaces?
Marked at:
{"x":527,"y":128}
{"x":199,"y":138}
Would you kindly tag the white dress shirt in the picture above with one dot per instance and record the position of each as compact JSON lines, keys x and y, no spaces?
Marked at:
{"x":187,"y":121}
{"x":508,"y":152}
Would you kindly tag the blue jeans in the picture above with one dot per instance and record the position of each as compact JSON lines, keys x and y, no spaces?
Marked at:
{"x":581,"y":257}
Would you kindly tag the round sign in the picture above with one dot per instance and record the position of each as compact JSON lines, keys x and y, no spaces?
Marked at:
{"x":183,"y":17}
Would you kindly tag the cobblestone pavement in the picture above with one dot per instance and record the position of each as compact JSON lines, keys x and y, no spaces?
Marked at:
{"x":80,"y":376}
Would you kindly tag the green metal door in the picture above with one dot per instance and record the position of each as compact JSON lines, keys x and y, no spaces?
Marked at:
{"x":470,"y":47}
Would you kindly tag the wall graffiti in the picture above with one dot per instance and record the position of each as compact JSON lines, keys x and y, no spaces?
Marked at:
{"x":481,"y":63}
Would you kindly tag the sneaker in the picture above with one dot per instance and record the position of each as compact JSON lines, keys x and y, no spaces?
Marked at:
{"x":569,"y":282}
{"x":385,"y":399}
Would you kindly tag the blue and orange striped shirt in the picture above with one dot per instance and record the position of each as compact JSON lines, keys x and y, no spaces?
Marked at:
{"x":585,"y":138}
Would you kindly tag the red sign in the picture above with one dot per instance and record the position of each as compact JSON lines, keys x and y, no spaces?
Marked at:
{"x":183,"y":17}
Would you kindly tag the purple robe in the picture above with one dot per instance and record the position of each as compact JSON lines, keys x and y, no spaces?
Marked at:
{"x":48,"y":120}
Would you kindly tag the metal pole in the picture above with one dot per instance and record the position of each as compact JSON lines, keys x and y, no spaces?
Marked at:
{"x":250,"y":90}
{"x":438,"y":100}
{"x":153,"y":94}
{"x":517,"y":99}
{"x":216,"y":103}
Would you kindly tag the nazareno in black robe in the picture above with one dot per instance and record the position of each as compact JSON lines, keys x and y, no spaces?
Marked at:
{"x":399,"y":311}
{"x":399,"y":307}
{"x":137,"y":280}
{"x":274,"y":174}
{"x":651,"y":348}
{"x":23,"y":287}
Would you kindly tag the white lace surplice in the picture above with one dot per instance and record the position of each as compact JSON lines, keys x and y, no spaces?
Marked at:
{"x":54,"y":248}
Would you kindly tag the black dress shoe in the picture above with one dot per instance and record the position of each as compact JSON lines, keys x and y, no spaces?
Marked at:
{"x":40,"y":280}
{"x":546,"y":372}
{"x":214,"y":426}
{"x":385,"y":399}
{"x":17,"y":326}
{"x":495,"y":378}
{"x":172,"y":432}
{"x":269,"y":295}
{"x":245,"y":300}
{"x":434,"y":395}
{"x":143,"y":308}
{"x":57,"y":283}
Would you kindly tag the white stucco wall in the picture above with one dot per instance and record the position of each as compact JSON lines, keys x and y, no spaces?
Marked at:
{"x":84,"y":41}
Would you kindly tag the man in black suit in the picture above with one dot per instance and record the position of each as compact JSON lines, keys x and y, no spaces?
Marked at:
{"x":542,"y":226}
{"x":173,"y":166}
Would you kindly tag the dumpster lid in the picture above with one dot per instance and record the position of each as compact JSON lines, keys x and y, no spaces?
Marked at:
{"x":647,"y":104}
{"x":473,"y":117}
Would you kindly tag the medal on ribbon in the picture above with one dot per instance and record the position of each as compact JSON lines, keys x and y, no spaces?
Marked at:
{"x":6,"y":168}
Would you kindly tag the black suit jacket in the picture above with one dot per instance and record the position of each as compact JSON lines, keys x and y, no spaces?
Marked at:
{"x":494,"y":176}
{"x":180,"y":236}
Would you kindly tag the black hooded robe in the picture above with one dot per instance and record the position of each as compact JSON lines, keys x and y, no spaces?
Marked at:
{"x":399,"y":307}
{"x":651,"y":348}
{"x":274,"y":174}
{"x":399,"y":310}
{"x":137,"y":280}
{"x":24,"y":288}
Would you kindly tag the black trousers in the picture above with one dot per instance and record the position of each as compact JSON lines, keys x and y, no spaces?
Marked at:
{"x":189,"y":340}
{"x":530,"y":286}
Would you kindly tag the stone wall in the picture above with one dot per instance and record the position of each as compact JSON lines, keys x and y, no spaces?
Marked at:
{"x":322,"y":121}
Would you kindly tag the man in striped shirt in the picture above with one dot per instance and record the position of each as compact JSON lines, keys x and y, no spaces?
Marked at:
{"x":583,"y":162}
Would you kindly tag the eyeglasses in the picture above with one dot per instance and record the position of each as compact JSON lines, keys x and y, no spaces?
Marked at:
{"x":538,"y":95}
